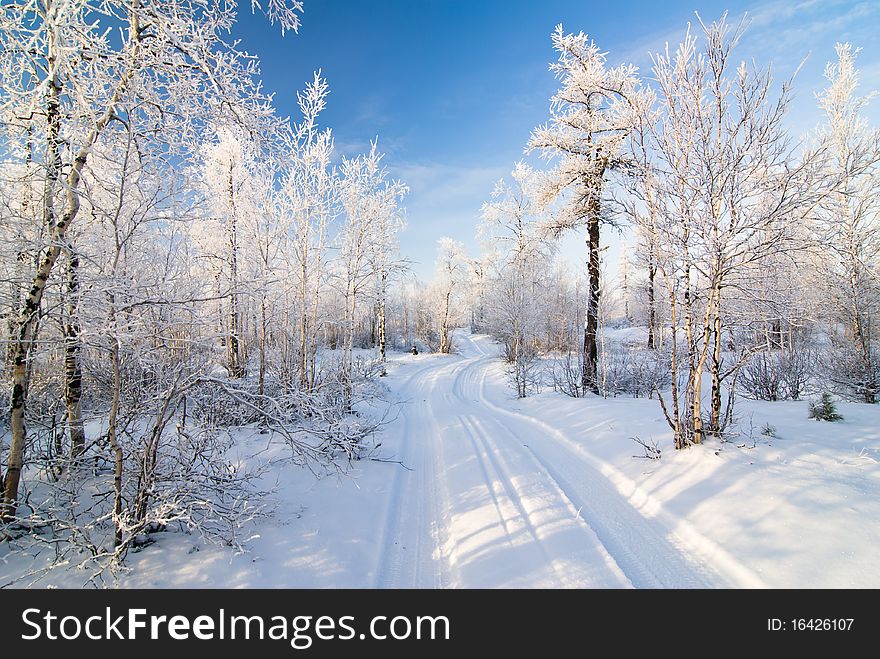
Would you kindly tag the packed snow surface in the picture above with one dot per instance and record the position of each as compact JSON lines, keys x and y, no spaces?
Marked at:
{"x":479,"y":489}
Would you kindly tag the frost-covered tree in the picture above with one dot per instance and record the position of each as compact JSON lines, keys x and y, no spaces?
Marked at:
{"x":367,"y":239}
{"x":228,"y":168}
{"x":383,"y":253}
{"x":519,"y":258}
{"x":452,"y":272}
{"x":67,"y":81}
{"x":848,"y":228}
{"x":308,"y":204}
{"x":592,"y":113}
{"x":726,"y":187}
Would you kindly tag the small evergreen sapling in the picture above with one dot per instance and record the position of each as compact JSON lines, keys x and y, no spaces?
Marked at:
{"x":825,"y":409}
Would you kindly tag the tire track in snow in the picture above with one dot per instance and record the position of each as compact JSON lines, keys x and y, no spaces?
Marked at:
{"x":547,"y":515}
{"x":560,"y":516}
{"x":404,"y":561}
{"x":490,"y":482}
{"x":446,"y":574}
{"x":617,"y":526}
{"x":653,"y":552}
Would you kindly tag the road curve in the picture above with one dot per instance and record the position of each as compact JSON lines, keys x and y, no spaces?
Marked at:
{"x":493,"y":498}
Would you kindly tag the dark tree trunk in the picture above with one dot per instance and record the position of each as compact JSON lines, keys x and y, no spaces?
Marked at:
{"x":589,"y":374}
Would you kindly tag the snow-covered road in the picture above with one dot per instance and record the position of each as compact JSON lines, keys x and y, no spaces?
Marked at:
{"x":496,"y":498}
{"x":543,"y":492}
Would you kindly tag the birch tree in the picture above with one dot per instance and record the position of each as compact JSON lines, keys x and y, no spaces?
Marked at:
{"x":520,"y":257}
{"x":64,"y":79}
{"x":847,"y":225}
{"x":227,"y":172}
{"x":732,"y":185}
{"x":384,"y":257}
{"x":451,"y":275}
{"x":370,"y":202}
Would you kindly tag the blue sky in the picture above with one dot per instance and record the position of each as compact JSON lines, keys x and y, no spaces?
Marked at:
{"x":452,"y":88}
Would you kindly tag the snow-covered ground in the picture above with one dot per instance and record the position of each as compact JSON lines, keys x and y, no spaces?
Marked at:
{"x":545,"y":492}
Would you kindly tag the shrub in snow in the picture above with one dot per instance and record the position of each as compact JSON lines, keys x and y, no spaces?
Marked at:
{"x":855,"y":375}
{"x":624,"y":370}
{"x":777,"y":375}
{"x":651,"y":450}
{"x":365,"y":368}
{"x":566,"y":374}
{"x":633,"y":371}
{"x":824,"y":409}
{"x":524,"y":368}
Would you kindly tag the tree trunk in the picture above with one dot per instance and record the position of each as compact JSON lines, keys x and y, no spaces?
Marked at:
{"x":625,"y":266}
{"x":313,"y":326}
{"x":118,"y":456}
{"x":444,"y":326}
{"x":25,"y":329}
{"x":715,"y":418}
{"x":589,"y":373}
{"x":697,"y":373}
{"x":777,"y":337}
{"x":348,"y":341}
{"x":652,"y":306}
{"x":233,"y":345}
{"x":72,"y":364}
{"x":696,"y":403}
{"x":261,"y":384}
{"x":304,"y":321}
{"x":868,"y":387}
{"x":692,"y":433}
{"x":675,"y":421}
{"x":381,"y":315}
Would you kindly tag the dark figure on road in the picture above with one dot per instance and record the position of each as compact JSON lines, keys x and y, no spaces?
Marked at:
{"x":414,"y":350}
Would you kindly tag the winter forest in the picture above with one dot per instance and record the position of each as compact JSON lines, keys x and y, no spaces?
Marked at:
{"x":222,"y":369}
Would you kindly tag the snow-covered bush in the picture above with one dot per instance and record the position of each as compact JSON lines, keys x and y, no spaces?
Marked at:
{"x":778,"y":375}
{"x":174,"y":478}
{"x":854,"y":374}
{"x":566,"y":373}
{"x":524,"y":368}
{"x":633,"y":371}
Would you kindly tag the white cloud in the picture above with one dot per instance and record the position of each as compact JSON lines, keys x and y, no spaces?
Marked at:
{"x":804,"y":29}
{"x":446,"y":185}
